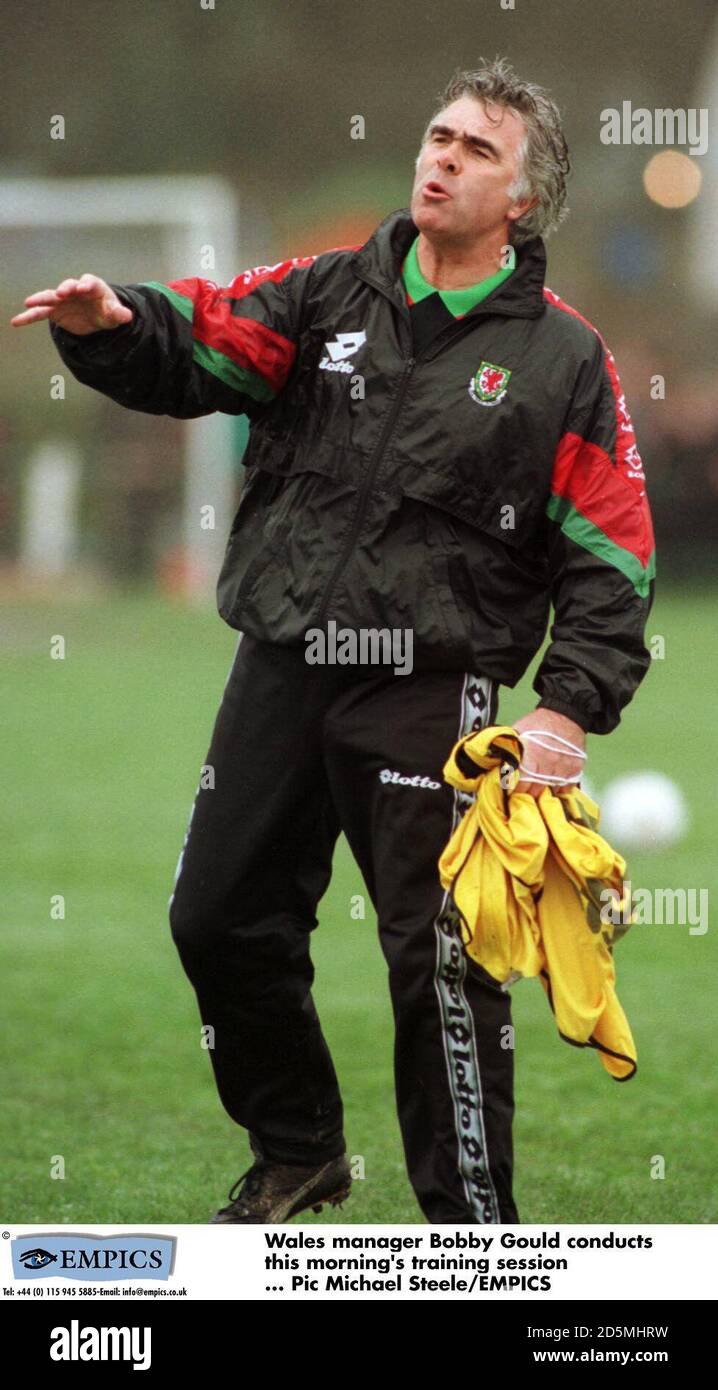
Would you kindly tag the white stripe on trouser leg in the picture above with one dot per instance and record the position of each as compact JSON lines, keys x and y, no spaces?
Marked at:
{"x":458,"y":1033}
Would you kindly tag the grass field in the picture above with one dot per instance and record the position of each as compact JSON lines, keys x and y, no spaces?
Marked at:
{"x":103,"y":1067}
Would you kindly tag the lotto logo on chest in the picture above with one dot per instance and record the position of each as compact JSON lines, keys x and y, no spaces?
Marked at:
{"x":340,"y":350}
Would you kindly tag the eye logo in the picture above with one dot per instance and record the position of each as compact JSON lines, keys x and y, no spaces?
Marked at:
{"x":37,"y":1259}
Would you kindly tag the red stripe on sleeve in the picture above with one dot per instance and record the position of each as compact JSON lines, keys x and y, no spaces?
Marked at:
{"x":628,"y":459}
{"x":252,"y":345}
{"x":244,"y":283}
{"x":585,"y":475}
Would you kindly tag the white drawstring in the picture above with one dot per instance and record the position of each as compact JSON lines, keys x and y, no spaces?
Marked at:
{"x":551,"y":779}
{"x":548,"y":779}
{"x":534,"y":736}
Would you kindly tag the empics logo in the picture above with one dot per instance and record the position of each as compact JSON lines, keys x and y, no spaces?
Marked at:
{"x":339,"y":349}
{"x":89,"y":1258}
{"x":75,"y":1343}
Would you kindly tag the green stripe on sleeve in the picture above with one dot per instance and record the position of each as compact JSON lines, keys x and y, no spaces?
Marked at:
{"x":181,"y":302}
{"x":240,"y":379}
{"x":583,"y":532}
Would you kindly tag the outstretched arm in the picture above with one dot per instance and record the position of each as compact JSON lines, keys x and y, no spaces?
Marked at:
{"x":185,"y":348}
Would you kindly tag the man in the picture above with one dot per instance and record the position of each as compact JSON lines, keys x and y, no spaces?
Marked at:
{"x":438,"y":446}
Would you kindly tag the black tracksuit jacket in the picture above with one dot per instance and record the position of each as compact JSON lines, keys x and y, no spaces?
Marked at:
{"x":456,"y":493}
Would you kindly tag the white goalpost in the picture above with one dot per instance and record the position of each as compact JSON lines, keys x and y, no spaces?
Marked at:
{"x":197,"y":223}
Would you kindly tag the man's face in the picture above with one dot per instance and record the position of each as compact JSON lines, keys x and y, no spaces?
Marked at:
{"x":466,"y":166}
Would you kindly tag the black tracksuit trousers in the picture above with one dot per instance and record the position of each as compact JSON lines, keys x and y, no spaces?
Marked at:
{"x":299,"y":753}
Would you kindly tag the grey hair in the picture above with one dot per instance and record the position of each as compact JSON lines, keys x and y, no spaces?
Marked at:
{"x":544,"y":163}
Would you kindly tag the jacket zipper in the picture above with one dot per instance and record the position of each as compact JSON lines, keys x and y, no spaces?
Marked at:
{"x":385,"y":434}
{"x":367,"y":486}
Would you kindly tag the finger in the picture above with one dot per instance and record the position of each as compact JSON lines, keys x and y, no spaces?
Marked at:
{"x":85,"y":285}
{"x":90,"y":283}
{"x":32,"y":316}
{"x":41,"y":297}
{"x":530,"y":788}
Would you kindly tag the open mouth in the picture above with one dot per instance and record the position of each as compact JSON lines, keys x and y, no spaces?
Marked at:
{"x":432,"y":189}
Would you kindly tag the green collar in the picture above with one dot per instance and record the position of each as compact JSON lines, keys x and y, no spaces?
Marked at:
{"x":458,"y":302}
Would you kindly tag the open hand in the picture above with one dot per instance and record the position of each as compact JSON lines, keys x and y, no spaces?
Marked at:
{"x":79,"y":306}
